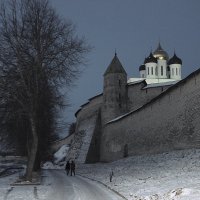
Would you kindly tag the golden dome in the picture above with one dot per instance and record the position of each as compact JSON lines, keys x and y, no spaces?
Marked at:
{"x":159,"y":53}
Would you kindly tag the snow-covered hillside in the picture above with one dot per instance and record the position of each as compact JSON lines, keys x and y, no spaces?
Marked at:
{"x":168,"y":176}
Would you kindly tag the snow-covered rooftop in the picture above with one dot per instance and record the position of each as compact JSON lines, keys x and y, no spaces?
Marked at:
{"x":149,"y":80}
{"x":160,"y":84}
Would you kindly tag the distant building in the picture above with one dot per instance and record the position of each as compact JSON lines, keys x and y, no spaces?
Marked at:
{"x":150,"y":114}
{"x":158,"y":68}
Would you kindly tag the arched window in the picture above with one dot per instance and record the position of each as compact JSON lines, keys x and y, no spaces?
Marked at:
{"x":156,"y":72}
{"x":161,"y":70}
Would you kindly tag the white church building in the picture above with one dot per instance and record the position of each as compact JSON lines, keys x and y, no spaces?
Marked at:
{"x":158,"y":68}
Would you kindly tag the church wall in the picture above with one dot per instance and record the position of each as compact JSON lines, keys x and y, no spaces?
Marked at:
{"x":138,"y":96}
{"x":162,"y":68}
{"x":168,"y":122}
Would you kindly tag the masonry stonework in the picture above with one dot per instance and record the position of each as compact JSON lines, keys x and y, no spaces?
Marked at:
{"x":168,"y":122}
{"x":138,"y":95}
{"x":141,"y":116}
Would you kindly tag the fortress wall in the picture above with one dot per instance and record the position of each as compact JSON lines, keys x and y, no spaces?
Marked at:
{"x":168,"y":122}
{"x":89,"y":110}
{"x":138,"y":96}
{"x":87,"y":121}
{"x":66,"y":141}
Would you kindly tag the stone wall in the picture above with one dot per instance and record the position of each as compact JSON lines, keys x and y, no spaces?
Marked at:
{"x":168,"y":122}
{"x":114,"y":96}
{"x":93,"y":154}
{"x":58,"y":144}
{"x":87,"y":119}
{"x":138,"y":96}
{"x":88,"y":109}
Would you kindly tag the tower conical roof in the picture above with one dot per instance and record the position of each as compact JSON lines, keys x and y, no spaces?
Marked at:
{"x":115,"y":66}
{"x":159,"y":53}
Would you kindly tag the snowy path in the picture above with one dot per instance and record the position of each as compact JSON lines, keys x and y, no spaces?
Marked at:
{"x":76,"y":188}
{"x":57,"y":186}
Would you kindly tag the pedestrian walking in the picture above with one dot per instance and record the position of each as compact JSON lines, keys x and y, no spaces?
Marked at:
{"x":67,"y":167}
{"x":72,"y":168}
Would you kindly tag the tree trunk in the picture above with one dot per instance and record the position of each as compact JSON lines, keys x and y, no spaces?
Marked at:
{"x":33,"y":150}
{"x":37,"y":163}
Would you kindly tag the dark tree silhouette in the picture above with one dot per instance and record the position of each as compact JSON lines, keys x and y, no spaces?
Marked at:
{"x":39,"y":53}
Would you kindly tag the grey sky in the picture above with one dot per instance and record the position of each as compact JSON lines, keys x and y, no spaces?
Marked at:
{"x":133,"y":27}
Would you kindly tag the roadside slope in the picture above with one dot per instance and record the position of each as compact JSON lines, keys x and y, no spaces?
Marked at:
{"x":172,"y":175}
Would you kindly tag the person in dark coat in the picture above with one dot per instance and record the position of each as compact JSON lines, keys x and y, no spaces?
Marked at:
{"x":72,"y":168}
{"x":67,"y":167}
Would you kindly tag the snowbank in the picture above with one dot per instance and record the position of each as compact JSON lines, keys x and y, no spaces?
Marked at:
{"x":50,"y":165}
{"x":60,"y":155}
{"x":59,"y":159}
{"x":168,"y":176}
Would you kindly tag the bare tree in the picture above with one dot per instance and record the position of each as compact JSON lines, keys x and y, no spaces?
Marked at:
{"x":39,"y":53}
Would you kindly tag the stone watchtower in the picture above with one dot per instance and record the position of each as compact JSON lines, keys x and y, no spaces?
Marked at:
{"x":114,"y":91}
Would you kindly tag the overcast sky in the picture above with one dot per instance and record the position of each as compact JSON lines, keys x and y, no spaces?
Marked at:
{"x":133,"y":28}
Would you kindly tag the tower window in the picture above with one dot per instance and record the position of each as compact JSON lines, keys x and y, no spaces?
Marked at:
{"x":148,"y":70}
{"x":120,"y":105}
{"x":176,"y":71}
{"x":152,"y":70}
{"x":119,"y":83}
{"x":161,"y":70}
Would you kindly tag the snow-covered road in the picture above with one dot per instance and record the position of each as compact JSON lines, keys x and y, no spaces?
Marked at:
{"x":77,"y":188}
{"x":58,"y":186}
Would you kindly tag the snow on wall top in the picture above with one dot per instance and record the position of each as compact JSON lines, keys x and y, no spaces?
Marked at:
{"x":160,"y":84}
